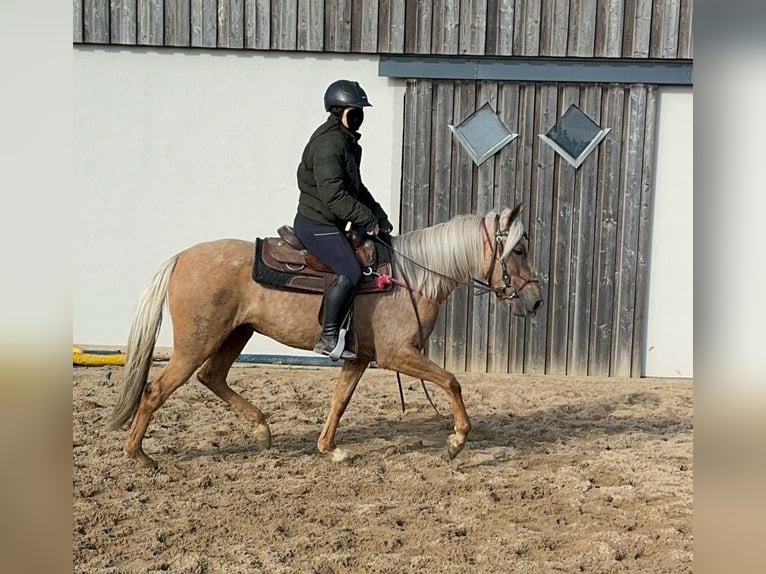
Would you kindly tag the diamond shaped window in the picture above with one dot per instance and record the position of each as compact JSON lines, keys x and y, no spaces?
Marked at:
{"x":574,"y":136}
{"x":482,"y":134}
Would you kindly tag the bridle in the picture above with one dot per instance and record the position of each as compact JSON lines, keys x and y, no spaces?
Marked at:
{"x":497,"y":251}
{"x":480,"y":287}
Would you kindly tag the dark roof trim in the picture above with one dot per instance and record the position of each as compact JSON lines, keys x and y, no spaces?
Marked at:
{"x":621,"y":71}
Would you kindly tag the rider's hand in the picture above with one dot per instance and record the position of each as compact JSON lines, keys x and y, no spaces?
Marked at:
{"x":385,"y":226}
{"x":374,"y":231}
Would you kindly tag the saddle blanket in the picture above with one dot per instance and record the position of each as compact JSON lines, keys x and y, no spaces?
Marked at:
{"x":281,"y":266}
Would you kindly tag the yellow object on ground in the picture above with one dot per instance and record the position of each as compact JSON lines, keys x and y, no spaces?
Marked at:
{"x":80,"y":357}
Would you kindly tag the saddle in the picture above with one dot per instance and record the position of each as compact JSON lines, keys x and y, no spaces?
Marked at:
{"x":284,"y":263}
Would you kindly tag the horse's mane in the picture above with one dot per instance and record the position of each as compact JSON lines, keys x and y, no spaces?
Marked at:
{"x":452,"y":250}
{"x":434,"y":259}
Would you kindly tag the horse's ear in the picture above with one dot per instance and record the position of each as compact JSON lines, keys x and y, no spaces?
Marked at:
{"x":517,"y":211}
{"x":508,"y":216}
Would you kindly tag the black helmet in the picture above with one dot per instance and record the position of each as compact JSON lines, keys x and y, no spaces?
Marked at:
{"x":345,"y":94}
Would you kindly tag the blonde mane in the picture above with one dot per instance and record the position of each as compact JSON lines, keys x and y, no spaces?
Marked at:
{"x":433,"y":260}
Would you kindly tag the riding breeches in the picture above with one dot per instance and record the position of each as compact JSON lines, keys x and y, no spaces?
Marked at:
{"x":328,"y":244}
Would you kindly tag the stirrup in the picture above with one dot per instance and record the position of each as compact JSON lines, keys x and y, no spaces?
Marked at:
{"x":339,"y":351}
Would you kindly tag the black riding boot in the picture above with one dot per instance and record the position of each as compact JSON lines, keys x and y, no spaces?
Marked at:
{"x":337,"y":302}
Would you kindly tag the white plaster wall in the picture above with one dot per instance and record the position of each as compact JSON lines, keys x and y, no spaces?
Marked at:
{"x":670,"y":321}
{"x":172,"y":148}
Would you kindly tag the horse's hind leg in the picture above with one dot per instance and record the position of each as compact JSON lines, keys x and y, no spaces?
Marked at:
{"x":213,"y":376}
{"x":175,"y":374}
{"x":350,"y":374}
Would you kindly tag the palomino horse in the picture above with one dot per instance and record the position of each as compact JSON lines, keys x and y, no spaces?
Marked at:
{"x":215,"y":307}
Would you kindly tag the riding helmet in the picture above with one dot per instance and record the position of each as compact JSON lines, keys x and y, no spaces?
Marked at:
{"x":345,"y":94}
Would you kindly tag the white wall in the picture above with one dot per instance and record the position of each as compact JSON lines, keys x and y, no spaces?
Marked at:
{"x":670,"y":321}
{"x":174,"y":148}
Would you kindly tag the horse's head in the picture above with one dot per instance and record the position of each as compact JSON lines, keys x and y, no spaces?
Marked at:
{"x":508,"y":267}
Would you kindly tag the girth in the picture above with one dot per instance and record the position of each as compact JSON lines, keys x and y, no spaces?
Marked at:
{"x":284,"y":263}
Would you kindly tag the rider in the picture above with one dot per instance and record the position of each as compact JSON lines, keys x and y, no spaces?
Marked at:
{"x":332,"y":196}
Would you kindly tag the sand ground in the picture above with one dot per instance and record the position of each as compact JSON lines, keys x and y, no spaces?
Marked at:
{"x":560,"y":474}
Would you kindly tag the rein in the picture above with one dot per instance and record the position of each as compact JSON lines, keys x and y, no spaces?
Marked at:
{"x":481,"y":287}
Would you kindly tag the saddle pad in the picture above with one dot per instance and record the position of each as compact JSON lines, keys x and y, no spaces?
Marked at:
{"x":306,"y":280}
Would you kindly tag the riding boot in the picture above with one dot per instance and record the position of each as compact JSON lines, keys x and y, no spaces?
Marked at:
{"x":337,"y":302}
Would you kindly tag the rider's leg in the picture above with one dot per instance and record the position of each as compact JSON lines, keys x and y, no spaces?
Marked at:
{"x":328,"y":244}
{"x":337,"y":302}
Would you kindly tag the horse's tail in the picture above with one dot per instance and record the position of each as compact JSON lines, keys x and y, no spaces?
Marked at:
{"x":141,"y":341}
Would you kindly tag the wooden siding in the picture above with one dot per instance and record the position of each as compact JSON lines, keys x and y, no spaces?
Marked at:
{"x":588,"y":228}
{"x":555,"y":28}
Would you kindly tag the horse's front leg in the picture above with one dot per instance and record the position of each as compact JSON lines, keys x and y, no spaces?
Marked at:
{"x":410,"y":361}
{"x":350,"y":374}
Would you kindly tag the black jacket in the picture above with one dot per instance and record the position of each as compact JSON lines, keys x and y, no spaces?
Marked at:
{"x":330,"y":183}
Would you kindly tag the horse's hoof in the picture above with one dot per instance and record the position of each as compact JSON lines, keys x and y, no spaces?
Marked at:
{"x":335,"y":453}
{"x":339,"y":455}
{"x":263,"y":436}
{"x":141,"y":459}
{"x":454,"y":446}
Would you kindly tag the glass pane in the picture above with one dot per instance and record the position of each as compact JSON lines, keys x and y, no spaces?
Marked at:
{"x":574,"y":131}
{"x":482,"y":134}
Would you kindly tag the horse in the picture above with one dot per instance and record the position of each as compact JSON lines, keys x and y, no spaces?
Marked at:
{"x":215,"y":307}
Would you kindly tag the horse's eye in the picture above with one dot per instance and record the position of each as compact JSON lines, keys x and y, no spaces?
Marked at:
{"x":518,"y":250}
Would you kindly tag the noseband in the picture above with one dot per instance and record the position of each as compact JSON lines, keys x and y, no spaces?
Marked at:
{"x":497,"y":251}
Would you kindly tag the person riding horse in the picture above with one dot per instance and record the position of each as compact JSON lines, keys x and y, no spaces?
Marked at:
{"x":332,"y":197}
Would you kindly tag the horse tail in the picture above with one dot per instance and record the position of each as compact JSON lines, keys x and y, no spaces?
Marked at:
{"x":141,"y":341}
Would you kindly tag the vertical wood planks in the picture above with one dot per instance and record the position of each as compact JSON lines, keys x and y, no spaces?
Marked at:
{"x":122,"y":21}
{"x":499,"y":35}
{"x":500,"y":341}
{"x":150,"y":15}
{"x":473,"y":27}
{"x":284,"y":25}
{"x":582,"y":28}
{"x":561,"y":248}
{"x":446,"y":27}
{"x":627,"y":232}
{"x":583,"y":237}
{"x":602,"y":302}
{"x":421,"y":200}
{"x":525,"y":143}
{"x":417,"y":27}
{"x":369,"y":26}
{"x":231,"y":24}
{"x":258,"y":24}
{"x":96,"y":21}
{"x":644,"y":233}
{"x":310,"y":35}
{"x":609,"y":25}
{"x":484,"y":203}
{"x":526,"y":35}
{"x":554,"y":28}
{"x":204,"y":23}
{"x":422,"y":158}
{"x":540,"y":218}
{"x":441,"y":158}
{"x":664,"y":36}
{"x":409,"y":153}
{"x":457,"y":304}
{"x":685,"y":29}
{"x":384,"y":26}
{"x":77,"y":21}
{"x":337,"y":26}
{"x":177,"y":23}
{"x":637,"y":28}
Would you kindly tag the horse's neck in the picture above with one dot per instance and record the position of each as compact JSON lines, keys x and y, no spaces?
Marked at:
{"x":435,"y":260}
